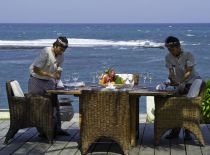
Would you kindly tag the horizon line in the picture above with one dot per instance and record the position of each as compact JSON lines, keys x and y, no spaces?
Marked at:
{"x":103,"y":23}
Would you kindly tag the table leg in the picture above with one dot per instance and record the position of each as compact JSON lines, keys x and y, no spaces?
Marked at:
{"x":80,"y":113}
{"x":137,"y":118}
{"x":134,"y":119}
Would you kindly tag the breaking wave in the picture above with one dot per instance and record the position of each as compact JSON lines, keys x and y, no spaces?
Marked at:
{"x":76,"y":42}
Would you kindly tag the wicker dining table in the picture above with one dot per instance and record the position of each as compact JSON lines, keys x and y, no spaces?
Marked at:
{"x":134,"y":95}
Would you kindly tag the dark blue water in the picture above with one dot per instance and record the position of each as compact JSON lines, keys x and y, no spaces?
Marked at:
{"x":126,"y":47}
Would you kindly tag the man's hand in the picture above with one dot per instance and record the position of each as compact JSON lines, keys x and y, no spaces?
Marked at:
{"x":56,"y":75}
{"x":173,"y":82}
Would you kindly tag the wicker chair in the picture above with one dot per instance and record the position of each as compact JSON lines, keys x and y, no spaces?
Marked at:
{"x":29,"y":111}
{"x":105,"y":114}
{"x":182,"y":112}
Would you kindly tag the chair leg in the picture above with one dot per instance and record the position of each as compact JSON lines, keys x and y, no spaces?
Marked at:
{"x":50,"y":141}
{"x":10,"y":134}
{"x":50,"y":137}
{"x":85,"y":147}
{"x":157,"y":137}
{"x":198,"y":134}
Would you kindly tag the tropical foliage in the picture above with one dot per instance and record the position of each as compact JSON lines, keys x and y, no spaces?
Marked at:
{"x":206,"y":103}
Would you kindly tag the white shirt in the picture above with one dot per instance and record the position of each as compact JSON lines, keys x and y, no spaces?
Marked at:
{"x":47,"y":61}
{"x":185,"y":59}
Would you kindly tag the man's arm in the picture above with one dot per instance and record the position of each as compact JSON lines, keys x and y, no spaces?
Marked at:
{"x":188,"y":72}
{"x":171,"y":77}
{"x":54,"y":75}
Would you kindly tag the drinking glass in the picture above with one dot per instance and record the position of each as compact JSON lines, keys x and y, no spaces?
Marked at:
{"x":93,"y":76}
{"x":66,"y":80}
{"x":75,"y":77}
{"x":99,"y":75}
{"x":145,"y":77}
{"x":150,"y":77}
{"x":104,"y":63}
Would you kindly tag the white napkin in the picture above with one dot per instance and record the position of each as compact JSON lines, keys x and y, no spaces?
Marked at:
{"x":161,"y":86}
{"x":76,"y":84}
{"x":165,"y":86}
{"x":60,"y":84}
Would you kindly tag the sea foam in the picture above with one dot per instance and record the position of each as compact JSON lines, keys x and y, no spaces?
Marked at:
{"x":78,"y":42}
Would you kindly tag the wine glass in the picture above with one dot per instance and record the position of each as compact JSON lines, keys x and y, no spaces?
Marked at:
{"x":145,"y":77}
{"x":66,"y":80}
{"x":104,"y":63}
{"x":93,"y":75}
{"x":99,"y":75}
{"x":150,"y":77}
{"x":75,"y":77}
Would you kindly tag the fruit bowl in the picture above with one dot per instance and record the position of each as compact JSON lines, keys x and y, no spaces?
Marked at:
{"x":117,"y":86}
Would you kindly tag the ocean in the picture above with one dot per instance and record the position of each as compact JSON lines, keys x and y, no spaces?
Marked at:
{"x":128,"y":48}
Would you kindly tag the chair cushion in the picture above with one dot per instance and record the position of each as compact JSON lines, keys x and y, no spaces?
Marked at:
{"x":195,"y":88}
{"x":16,"y":89}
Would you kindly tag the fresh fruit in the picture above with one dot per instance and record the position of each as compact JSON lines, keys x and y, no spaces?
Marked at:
{"x":106,"y":78}
{"x":119,"y":80}
{"x":110,"y":76}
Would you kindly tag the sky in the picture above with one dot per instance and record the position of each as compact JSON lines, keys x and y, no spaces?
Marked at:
{"x":104,"y":11}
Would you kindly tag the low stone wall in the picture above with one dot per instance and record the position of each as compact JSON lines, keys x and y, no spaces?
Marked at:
{"x":150,"y":105}
{"x":4,"y":114}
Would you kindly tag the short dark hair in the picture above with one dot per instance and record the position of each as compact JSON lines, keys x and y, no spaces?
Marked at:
{"x":61,"y":41}
{"x":172,"y":41}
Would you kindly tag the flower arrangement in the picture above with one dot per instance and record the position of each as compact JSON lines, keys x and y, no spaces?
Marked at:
{"x":110,"y":76}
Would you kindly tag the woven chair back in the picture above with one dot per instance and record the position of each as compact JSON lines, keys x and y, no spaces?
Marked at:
{"x":9,"y":90}
{"x":202,"y":89}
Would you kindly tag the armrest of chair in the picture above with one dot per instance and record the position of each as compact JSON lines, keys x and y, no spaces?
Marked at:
{"x":18,"y":100}
{"x":178,"y":103}
{"x":37,"y":97}
{"x":186,"y":100}
{"x":41,"y":102}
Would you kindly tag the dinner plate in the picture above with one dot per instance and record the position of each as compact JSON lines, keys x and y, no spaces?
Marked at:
{"x":77,"y":84}
{"x":117,"y":86}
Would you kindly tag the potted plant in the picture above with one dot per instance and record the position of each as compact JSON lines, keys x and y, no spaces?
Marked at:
{"x":206,"y":104}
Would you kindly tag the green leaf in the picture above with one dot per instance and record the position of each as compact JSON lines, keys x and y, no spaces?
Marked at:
{"x":204,"y":113}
